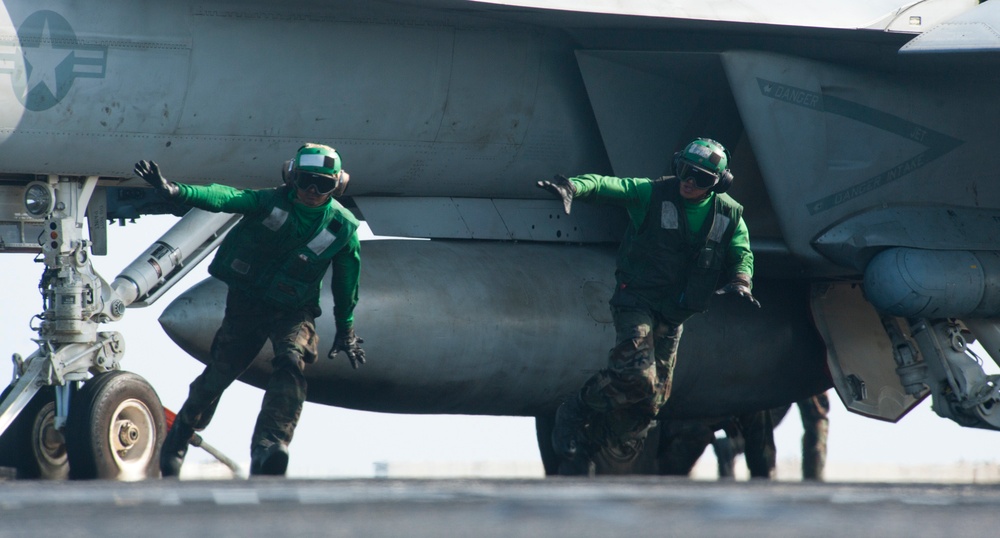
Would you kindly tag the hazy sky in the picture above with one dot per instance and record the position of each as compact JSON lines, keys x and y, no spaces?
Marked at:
{"x":340,"y":442}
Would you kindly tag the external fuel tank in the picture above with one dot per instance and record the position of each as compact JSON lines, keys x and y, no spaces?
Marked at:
{"x":459,"y":327}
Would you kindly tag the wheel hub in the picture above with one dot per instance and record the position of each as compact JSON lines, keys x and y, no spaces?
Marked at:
{"x":128,"y":433}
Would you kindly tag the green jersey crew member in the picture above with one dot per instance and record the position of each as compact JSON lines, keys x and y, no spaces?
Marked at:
{"x":684,"y":234}
{"x":273,"y":262}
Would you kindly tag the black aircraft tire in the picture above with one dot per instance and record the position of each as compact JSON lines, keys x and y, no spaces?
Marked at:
{"x":10,"y":439}
{"x":47,"y":458}
{"x":31,"y":444}
{"x":115,"y":429}
{"x":543,"y":434}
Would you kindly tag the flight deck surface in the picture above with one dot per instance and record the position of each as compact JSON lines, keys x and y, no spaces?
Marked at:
{"x":633,"y":506}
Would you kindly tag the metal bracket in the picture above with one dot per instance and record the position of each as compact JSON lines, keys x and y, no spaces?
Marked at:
{"x":961,"y":389}
{"x":23,"y":390}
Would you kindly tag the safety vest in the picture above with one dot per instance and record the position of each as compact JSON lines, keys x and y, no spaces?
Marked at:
{"x":658,"y":265}
{"x":262,"y":255}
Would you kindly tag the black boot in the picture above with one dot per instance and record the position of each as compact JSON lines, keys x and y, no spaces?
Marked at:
{"x":269,"y":460}
{"x":628,"y":449}
{"x":578,"y":466}
{"x":725,"y":453}
{"x":568,"y":432}
{"x":175,"y":447}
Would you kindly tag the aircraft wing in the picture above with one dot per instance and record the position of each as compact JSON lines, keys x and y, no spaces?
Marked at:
{"x":889,"y":15}
{"x":977,"y":30}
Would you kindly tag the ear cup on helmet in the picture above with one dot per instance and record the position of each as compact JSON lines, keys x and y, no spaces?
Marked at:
{"x":342,"y":182}
{"x":726,"y":178}
{"x":725,"y":182}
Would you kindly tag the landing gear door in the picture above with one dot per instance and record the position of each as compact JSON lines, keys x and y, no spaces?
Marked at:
{"x":859,"y":353}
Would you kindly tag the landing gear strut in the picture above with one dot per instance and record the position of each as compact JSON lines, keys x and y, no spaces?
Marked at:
{"x":113,"y":426}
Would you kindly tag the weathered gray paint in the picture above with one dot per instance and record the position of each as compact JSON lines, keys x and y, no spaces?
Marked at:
{"x":831,"y":132}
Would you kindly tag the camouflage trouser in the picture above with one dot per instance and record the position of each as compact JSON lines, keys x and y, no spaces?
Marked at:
{"x":625,"y":397}
{"x":246,"y":327}
{"x":815,"y":424}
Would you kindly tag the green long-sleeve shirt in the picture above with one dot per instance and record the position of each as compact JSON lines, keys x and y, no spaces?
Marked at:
{"x":634,"y":195}
{"x":346,"y":262}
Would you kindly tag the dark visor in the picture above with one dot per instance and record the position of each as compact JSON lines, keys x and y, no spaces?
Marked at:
{"x":703,"y":179}
{"x":321,"y":184}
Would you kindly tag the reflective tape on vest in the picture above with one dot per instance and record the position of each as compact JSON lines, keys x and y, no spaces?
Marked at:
{"x":719,"y":226}
{"x":322,"y":241}
{"x":668,"y":216}
{"x":276,"y":219}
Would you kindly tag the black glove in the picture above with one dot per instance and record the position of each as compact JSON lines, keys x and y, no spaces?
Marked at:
{"x":148,"y":171}
{"x":741,"y":286}
{"x":349,"y":343}
{"x":561,"y":187}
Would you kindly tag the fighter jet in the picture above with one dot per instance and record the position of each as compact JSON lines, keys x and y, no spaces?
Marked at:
{"x":863,"y":139}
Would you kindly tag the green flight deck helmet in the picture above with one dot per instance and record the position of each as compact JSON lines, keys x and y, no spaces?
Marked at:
{"x":317,"y":166}
{"x":318,"y":159}
{"x":706,"y":162}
